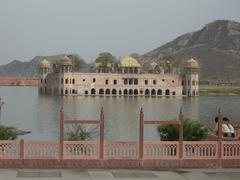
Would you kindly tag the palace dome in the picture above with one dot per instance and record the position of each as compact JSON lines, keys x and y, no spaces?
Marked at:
{"x":65,"y":61}
{"x":192,"y":63}
{"x":129,"y":62}
{"x":44,"y":64}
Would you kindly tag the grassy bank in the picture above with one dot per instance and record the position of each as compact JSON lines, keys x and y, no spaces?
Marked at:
{"x":219,"y":90}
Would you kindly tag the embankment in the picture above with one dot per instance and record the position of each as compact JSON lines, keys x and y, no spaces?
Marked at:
{"x":18,"y":81}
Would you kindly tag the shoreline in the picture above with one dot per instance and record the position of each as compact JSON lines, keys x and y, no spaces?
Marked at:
{"x":219,"y":90}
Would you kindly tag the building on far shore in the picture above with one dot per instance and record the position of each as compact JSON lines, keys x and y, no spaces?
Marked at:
{"x":125,"y":79}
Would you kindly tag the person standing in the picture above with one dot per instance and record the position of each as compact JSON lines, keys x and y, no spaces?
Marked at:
{"x":231,"y":128}
{"x":225,"y":129}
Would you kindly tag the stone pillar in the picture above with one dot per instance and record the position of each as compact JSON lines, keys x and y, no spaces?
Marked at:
{"x":181,"y":121}
{"x":141,"y":134}
{"x":101,"y":145}
{"x":220,"y":135}
{"x":21,"y":149}
{"x":61,"y":135}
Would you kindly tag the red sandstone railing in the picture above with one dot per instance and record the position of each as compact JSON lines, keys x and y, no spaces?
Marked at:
{"x":161,"y":150}
{"x":41,"y":150}
{"x":119,"y":150}
{"x":81,"y":150}
{"x":230,"y":150}
{"x":200,"y":149}
{"x":9,"y":149}
{"x":135,"y":154}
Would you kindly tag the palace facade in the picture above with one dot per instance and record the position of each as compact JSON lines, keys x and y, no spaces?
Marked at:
{"x":125,"y":79}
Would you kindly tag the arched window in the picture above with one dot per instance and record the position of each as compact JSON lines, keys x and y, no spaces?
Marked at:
{"x":107,"y":91}
{"x":93,"y":91}
{"x":120,"y":92}
{"x":135,"y":81}
{"x":130,"y":81}
{"x":147,"y":92}
{"x":114,"y":92}
{"x":159,"y":92}
{"x":101,"y":91}
{"x":135,"y":92}
{"x":153,"y":92}
{"x":167,"y":92}
{"x":130,"y":92}
{"x":125,"y":92}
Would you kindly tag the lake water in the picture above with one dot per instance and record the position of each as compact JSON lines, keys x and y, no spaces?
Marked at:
{"x":27,"y":110}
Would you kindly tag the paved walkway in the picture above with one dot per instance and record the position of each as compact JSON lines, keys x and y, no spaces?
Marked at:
{"x":120,"y":174}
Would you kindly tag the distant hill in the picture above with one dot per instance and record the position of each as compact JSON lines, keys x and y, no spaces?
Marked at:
{"x":217,"y":46}
{"x":18,"y":68}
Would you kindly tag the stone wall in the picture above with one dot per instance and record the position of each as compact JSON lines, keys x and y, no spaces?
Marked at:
{"x":119,"y":84}
{"x":18,"y":81}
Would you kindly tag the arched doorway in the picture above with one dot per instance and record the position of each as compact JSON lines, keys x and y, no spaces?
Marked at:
{"x":125,"y":92}
{"x":135,"y":92}
{"x":120,"y":92}
{"x":93,"y":91}
{"x":153,"y":92}
{"x":167,"y":92}
{"x":114,"y":92}
{"x":159,"y":92}
{"x":107,"y":91}
{"x":147,"y":92}
{"x":101,"y":92}
{"x":130,"y":92}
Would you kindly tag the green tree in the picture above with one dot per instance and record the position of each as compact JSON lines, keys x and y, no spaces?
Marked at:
{"x":78,"y":62}
{"x":8,"y":133}
{"x":192,"y":131}
{"x":105,"y":58}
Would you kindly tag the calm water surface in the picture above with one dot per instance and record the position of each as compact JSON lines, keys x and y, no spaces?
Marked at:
{"x":27,"y":110}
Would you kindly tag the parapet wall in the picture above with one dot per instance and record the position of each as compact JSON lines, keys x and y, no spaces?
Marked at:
{"x":18,"y":81}
{"x":87,"y":154}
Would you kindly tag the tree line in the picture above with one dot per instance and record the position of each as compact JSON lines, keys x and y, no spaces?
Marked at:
{"x":166,"y":62}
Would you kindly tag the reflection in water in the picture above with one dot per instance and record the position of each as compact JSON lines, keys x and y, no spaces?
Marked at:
{"x":26,"y":109}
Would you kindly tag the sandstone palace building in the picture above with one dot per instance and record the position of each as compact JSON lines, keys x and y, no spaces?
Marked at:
{"x":126,"y":79}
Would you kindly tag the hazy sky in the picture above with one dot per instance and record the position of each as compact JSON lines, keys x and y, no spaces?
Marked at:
{"x":88,"y":27}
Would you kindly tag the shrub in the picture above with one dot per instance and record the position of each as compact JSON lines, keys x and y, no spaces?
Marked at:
{"x":80,"y":133}
{"x":8,"y":133}
{"x":192,"y":131}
